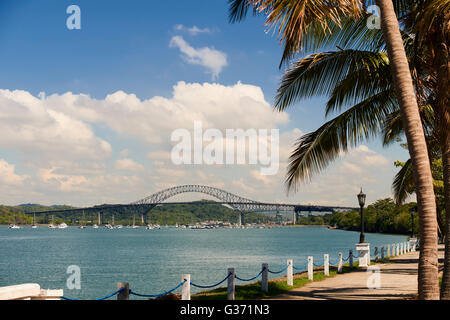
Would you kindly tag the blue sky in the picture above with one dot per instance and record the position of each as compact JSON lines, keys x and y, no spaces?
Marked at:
{"x":125,"y":46}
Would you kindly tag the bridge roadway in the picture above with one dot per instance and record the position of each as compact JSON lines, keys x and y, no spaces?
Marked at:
{"x":240,"y":204}
{"x":263,"y":207}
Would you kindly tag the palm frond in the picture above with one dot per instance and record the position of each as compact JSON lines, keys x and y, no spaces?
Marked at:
{"x":369,"y":74}
{"x":318,"y":74}
{"x":294,"y":18}
{"x":392,"y":128}
{"x":238,"y":9}
{"x":314,"y":151}
{"x":403,"y":184}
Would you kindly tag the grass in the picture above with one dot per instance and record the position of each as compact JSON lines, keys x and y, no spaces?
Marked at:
{"x":253,"y":291}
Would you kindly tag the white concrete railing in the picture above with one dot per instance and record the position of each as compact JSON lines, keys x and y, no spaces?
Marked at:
{"x":29,"y":291}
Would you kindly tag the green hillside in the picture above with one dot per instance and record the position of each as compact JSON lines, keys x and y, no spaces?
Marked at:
{"x":170,"y":214}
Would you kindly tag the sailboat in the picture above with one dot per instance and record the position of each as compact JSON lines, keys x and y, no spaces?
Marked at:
{"x":62,"y":226}
{"x":14,"y":226}
{"x":52,"y":226}
{"x":134,"y":223}
{"x":81,"y":224}
{"x":34,"y":225}
{"x":95,"y":226}
{"x":109,"y":226}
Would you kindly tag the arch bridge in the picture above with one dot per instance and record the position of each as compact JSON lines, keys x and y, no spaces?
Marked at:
{"x":238,"y":203}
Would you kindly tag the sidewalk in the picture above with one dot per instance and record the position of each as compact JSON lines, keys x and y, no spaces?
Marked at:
{"x":398,"y":281}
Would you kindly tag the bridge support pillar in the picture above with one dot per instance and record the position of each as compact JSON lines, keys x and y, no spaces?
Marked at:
{"x":241,"y":219}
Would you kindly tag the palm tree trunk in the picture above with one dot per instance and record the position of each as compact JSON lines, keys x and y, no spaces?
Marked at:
{"x":428,"y":259}
{"x":443,"y":97}
{"x":445,"y":292}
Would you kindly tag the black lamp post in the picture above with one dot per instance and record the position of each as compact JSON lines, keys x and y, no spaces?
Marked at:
{"x":412,"y":210}
{"x":362,"y":201}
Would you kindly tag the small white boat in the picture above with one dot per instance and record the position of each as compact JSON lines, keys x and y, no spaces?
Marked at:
{"x":52,"y":225}
{"x":14,"y":226}
{"x":82,"y":226}
{"x":149,"y":227}
{"x":95,"y":226}
{"x":62,"y":226}
{"x":108,"y":226}
{"x":119,"y":226}
{"x":34,"y":226}
{"x":134,"y":226}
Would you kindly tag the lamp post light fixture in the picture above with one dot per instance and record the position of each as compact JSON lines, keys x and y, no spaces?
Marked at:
{"x":362,"y":201}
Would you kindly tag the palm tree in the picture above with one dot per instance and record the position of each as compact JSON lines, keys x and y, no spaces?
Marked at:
{"x":429,"y":21}
{"x":316,"y":19}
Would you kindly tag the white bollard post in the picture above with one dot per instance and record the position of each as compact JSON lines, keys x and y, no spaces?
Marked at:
{"x":401,"y":248}
{"x":340,"y":263}
{"x":397,"y":250}
{"x":265,"y":278}
{"x":186,"y":287}
{"x":310,"y":268}
{"x":408,"y":248}
{"x":388,"y":254}
{"x":290,"y":273}
{"x":326,"y":264}
{"x":405,"y":247}
{"x":231,"y":284}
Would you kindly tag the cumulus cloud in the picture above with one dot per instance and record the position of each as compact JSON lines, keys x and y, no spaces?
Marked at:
{"x":128,"y":165}
{"x":8,"y":175}
{"x":70,"y":163}
{"x":213,"y":60}
{"x":193,"y":31}
{"x":29,"y":125}
{"x":216,"y":105}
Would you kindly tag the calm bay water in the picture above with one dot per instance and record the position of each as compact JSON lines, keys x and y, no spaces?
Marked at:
{"x":153,"y":261}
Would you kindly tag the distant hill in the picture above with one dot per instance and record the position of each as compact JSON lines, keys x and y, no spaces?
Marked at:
{"x":197,"y":211}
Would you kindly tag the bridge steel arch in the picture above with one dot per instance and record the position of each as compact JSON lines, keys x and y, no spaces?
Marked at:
{"x":236,"y":202}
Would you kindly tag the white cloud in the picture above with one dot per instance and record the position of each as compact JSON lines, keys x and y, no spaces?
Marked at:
{"x":193,"y":31}
{"x":71,"y":164}
{"x":159,"y":155}
{"x":8,"y":175}
{"x":213,"y":60}
{"x":29,"y":125}
{"x":213,"y":104}
{"x":258,"y":176}
{"x":125,"y":153}
{"x":128,"y":165}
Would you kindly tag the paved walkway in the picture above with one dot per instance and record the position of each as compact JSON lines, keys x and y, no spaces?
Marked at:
{"x":398,"y":281}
